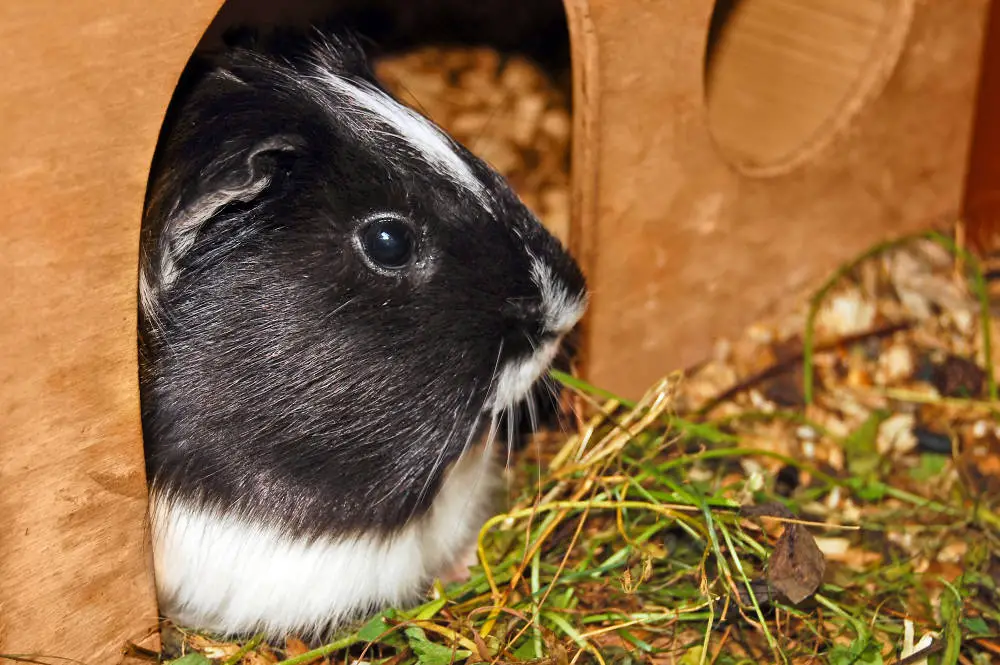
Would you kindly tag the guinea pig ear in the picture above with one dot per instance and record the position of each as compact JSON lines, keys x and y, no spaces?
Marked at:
{"x":239,"y":177}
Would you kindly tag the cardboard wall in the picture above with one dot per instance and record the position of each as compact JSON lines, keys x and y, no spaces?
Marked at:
{"x":982,"y":191}
{"x":682,"y":246}
{"x":85,"y":88}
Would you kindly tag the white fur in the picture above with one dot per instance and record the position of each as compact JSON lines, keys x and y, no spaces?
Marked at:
{"x":436,"y":148}
{"x":184,"y":225}
{"x":561,"y":310}
{"x":227,"y":574}
{"x":147,"y":296}
{"x":515,"y":380}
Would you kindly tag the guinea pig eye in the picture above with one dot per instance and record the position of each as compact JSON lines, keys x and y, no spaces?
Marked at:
{"x":388,"y":243}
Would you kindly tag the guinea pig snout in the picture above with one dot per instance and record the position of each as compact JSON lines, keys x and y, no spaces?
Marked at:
{"x":522,"y":309}
{"x":524,"y":320}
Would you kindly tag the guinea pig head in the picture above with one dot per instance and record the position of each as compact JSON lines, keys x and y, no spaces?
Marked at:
{"x":337,"y":299}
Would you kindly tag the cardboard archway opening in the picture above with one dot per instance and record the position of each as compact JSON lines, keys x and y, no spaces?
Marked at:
{"x":81,"y":117}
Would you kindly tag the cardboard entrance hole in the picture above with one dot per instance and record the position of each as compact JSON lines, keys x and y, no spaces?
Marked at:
{"x":782,"y":79}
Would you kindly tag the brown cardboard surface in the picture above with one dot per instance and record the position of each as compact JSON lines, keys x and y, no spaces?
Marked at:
{"x":982,"y":192}
{"x":679,"y":246}
{"x":85,"y":88}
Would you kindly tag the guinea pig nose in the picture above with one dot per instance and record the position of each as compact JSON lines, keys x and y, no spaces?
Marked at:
{"x":524,"y":322}
{"x":524,"y":310}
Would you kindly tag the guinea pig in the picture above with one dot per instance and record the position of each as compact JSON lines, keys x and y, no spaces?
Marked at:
{"x":337,"y":305}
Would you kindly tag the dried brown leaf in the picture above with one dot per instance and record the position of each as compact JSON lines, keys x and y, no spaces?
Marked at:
{"x":212,"y":648}
{"x":797,"y":566}
{"x":295,"y":647}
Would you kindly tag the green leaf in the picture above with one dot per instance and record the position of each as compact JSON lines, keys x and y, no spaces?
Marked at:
{"x":867,"y":488}
{"x":978,"y":578}
{"x":976,"y":625}
{"x":429,"y":610}
{"x":862,"y":651}
{"x":861,"y":449}
{"x":635,"y":641}
{"x":374,"y":629}
{"x":431,"y":653}
{"x":692,"y":656}
{"x":191,"y":659}
{"x":930,"y":467}
{"x":951,"y":614}
{"x":525,"y":651}
{"x":704,"y":431}
{"x":571,"y":381}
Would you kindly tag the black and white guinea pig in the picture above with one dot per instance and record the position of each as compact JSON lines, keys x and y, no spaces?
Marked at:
{"x":337,"y":303}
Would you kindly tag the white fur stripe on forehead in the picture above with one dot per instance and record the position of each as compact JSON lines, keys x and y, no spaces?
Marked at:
{"x":432,"y":144}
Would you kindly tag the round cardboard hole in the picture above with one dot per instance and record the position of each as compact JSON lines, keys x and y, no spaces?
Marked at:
{"x":784,"y":77}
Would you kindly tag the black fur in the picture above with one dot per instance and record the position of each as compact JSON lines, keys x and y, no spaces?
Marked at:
{"x":281,"y":376}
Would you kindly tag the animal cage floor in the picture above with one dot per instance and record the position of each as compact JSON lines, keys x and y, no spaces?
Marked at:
{"x":810,"y":490}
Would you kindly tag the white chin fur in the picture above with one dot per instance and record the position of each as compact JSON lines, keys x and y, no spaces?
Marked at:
{"x":229,"y":575}
{"x":515,"y":380}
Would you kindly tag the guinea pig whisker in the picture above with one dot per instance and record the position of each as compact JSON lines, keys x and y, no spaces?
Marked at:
{"x":469,"y":437}
{"x":552,"y":392}
{"x":512,"y":411}
{"x":494,"y":416}
{"x":445,"y":446}
{"x":532,"y":404}
{"x":530,"y":397}
{"x":492,"y":432}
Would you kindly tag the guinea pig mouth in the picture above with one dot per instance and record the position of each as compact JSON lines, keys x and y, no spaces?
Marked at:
{"x":516,"y":379}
